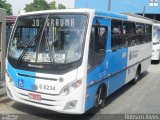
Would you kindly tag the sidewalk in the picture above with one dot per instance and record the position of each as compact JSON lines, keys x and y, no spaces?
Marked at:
{"x":2,"y":91}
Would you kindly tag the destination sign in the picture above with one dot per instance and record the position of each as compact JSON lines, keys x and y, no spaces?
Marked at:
{"x":55,"y":22}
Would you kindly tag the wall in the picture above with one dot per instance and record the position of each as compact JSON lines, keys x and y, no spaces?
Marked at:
{"x":2,"y":44}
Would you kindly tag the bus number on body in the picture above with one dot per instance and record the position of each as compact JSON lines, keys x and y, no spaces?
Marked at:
{"x":46,"y":87}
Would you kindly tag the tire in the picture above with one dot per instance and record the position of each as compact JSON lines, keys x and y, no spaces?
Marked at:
{"x":137,"y":76}
{"x":100,"y":97}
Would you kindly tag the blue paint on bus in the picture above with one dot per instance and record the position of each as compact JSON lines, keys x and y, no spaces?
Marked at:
{"x":19,"y":81}
{"x":111,"y":15}
{"x":111,"y":71}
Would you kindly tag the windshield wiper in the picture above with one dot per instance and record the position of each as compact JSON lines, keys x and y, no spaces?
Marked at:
{"x":27,"y":48}
{"x":29,"y":45}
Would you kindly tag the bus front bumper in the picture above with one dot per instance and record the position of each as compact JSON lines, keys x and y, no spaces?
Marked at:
{"x":69,"y":104}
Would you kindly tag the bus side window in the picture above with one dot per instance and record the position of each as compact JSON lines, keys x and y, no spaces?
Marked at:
{"x":116,"y":34}
{"x":148,"y":33}
{"x":129,"y":34}
{"x":97,"y":46}
{"x":140,"y":33}
{"x":98,"y":38}
{"x":102,"y":36}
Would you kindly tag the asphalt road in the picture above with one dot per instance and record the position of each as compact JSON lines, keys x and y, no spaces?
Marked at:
{"x":142,"y":98}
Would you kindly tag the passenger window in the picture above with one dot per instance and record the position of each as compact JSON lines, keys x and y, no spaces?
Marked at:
{"x":140,"y":33}
{"x":139,"y":29}
{"x":98,"y":38}
{"x":128,"y":28}
{"x":116,"y":34}
{"x":148,"y":33}
{"x":129,"y":34}
{"x":97,"y":46}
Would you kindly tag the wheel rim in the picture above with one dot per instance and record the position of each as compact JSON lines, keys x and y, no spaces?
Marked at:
{"x":137,"y":77}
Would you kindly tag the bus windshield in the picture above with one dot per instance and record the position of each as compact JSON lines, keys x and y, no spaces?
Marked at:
{"x":48,"y":39}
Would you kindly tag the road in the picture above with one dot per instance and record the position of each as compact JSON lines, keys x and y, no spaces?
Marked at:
{"x":142,"y":98}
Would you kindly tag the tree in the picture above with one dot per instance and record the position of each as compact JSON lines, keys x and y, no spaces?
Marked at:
{"x":7,"y":6}
{"x":37,"y":5}
{"x":61,"y":6}
{"x":42,"y":5}
{"x":52,"y":5}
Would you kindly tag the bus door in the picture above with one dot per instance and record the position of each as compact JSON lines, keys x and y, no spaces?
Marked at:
{"x":96,"y":58}
{"x":115,"y":58}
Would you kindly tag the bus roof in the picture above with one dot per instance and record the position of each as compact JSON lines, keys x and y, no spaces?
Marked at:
{"x":59,"y":11}
{"x":126,"y":16}
{"x":111,"y":15}
{"x":81,"y":10}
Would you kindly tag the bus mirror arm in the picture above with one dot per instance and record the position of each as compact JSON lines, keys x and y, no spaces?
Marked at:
{"x":114,"y":49}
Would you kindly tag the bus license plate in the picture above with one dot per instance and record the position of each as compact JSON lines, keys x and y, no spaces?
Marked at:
{"x":35,"y":96}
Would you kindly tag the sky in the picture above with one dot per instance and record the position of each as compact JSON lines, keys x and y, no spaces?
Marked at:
{"x":18,"y":5}
{"x":133,"y":6}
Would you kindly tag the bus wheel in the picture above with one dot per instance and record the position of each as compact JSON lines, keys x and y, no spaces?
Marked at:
{"x":137,"y":76}
{"x":100,"y":97}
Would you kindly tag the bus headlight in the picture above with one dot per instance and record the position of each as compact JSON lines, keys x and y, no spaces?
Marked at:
{"x":70,"y":87}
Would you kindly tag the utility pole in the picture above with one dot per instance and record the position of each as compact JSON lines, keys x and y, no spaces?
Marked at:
{"x":144,"y":11}
{"x":109,"y":5}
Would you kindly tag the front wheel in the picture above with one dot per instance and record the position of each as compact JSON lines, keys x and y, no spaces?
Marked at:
{"x":100,"y":97}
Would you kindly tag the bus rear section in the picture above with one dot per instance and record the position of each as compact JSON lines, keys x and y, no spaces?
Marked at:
{"x":156,"y":43}
{"x":44,"y":61}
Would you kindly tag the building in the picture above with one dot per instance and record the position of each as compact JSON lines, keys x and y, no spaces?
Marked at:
{"x":9,"y":25}
{"x":151,"y":8}
{"x":2,"y":44}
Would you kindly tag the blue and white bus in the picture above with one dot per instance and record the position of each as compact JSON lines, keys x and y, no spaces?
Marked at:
{"x":70,"y":60}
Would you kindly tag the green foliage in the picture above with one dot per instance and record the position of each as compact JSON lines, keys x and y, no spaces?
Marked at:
{"x":38,"y":5}
{"x":7,"y":6}
{"x":52,"y":5}
{"x":61,"y":6}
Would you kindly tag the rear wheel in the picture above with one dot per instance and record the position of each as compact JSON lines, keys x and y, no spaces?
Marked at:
{"x":137,"y":76}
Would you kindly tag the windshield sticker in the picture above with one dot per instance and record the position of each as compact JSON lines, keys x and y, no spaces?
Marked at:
{"x":56,"y":22}
{"x":30,"y":56}
{"x":43,"y":57}
{"x":59,"y":58}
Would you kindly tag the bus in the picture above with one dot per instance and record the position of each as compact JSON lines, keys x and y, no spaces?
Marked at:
{"x":156,"y":43}
{"x":69,"y":61}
